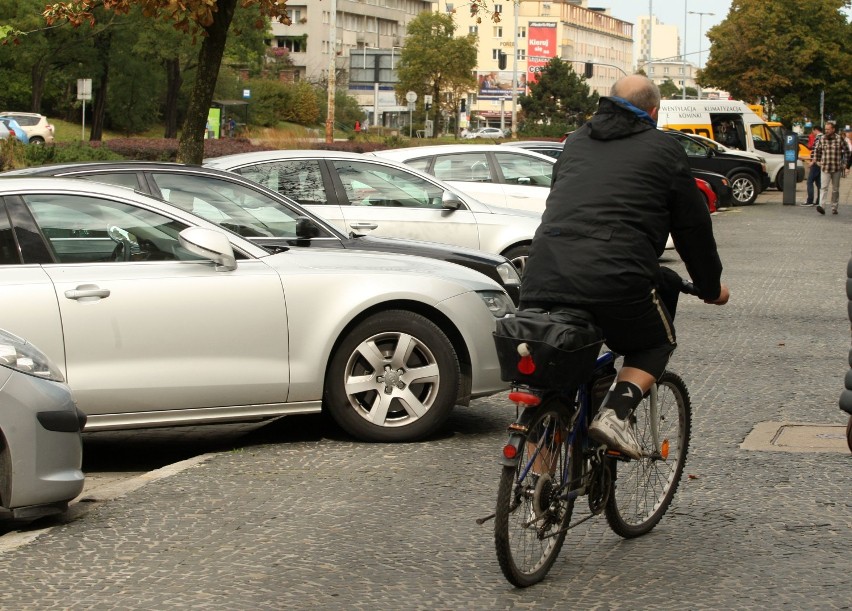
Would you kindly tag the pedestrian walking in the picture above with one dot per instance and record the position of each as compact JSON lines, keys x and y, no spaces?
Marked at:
{"x":813,"y":181}
{"x":830,"y":154}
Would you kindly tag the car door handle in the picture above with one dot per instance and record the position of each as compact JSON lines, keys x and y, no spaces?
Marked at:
{"x":363,"y":225}
{"x":87,"y":292}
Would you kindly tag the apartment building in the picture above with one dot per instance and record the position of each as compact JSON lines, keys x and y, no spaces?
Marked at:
{"x":660,"y":53}
{"x":370,"y":33}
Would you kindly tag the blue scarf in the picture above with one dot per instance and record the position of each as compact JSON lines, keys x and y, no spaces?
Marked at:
{"x":641,"y":114}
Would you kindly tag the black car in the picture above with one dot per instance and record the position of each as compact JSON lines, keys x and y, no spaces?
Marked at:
{"x":262,"y":215}
{"x":748,"y":177}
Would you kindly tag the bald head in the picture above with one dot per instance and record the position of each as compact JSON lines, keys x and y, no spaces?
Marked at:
{"x":638,"y":90}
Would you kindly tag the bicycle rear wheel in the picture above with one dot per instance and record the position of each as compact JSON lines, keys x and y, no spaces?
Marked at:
{"x":530,"y":517}
{"x":643,"y":489}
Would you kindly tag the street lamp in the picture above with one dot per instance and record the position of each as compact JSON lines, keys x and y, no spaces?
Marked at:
{"x":700,"y":40}
{"x":685,"y":14}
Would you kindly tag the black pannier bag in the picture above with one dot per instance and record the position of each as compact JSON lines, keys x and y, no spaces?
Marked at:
{"x":558,"y":349}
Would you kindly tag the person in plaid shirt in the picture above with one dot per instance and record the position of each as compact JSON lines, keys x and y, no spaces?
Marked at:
{"x":830,"y":154}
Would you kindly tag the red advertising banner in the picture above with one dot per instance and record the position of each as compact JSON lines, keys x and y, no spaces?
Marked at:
{"x":541,"y":47}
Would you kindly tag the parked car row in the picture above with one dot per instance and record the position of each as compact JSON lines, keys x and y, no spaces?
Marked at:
{"x":293,"y":281}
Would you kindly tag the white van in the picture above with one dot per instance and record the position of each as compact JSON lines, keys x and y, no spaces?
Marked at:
{"x":733,"y":124}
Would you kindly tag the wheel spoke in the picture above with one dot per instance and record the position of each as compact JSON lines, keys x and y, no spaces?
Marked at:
{"x":379,"y":408}
{"x":405,"y":345}
{"x":371,"y":353}
{"x":422,"y":375}
{"x":358,"y":384}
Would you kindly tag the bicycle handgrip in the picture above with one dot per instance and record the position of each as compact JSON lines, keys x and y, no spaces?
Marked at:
{"x":688,"y":287}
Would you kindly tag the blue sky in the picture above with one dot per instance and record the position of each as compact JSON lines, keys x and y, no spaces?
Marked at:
{"x":671,"y":12}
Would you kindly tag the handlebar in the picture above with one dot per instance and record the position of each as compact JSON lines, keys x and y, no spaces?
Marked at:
{"x":688,"y":287}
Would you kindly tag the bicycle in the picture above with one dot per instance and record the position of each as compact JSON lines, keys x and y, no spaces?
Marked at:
{"x":549,"y":461}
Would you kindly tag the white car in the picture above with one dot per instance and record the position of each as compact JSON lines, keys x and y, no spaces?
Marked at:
{"x":367,"y":194}
{"x":157,"y":317}
{"x":36,"y":126}
{"x":484,"y":132}
{"x":499,"y":175}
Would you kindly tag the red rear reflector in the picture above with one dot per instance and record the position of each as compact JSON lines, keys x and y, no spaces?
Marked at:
{"x":525,"y":398}
{"x":510,"y":451}
{"x":526,"y":365}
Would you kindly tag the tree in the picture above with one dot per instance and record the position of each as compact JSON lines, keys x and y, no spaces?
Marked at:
{"x":784,"y":52}
{"x":668,"y":90}
{"x":435,"y":62}
{"x":208,"y":19}
{"x":560,"y":98}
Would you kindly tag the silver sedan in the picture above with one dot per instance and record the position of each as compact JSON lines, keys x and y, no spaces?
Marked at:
{"x":158,"y":317}
{"x":40,"y":447}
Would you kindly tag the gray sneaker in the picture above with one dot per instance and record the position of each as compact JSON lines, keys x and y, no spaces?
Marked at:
{"x":618,"y":434}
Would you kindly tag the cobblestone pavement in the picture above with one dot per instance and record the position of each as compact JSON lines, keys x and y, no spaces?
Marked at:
{"x":299,"y":516}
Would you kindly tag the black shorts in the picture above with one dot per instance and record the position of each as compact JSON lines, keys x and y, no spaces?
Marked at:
{"x":642,"y":331}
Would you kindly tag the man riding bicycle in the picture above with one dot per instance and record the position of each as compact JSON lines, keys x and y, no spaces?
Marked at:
{"x":620,"y":187}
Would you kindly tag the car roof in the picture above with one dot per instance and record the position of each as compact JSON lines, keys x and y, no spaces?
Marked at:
{"x":255,"y":156}
{"x":414,"y":152}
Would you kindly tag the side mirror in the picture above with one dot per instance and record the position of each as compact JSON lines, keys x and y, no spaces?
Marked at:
{"x":306,"y":228}
{"x":450,"y":201}
{"x":209,"y":244}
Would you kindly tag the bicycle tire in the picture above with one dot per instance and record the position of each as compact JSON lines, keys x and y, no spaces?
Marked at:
{"x":529,"y":522}
{"x":643,"y":489}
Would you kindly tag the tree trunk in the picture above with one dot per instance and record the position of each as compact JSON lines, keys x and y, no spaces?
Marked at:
{"x":38,"y":77}
{"x":191,"y":145}
{"x":174,"y":80}
{"x":103,"y":41}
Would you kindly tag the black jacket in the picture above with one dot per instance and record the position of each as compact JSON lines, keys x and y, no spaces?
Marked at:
{"x":619,"y":188}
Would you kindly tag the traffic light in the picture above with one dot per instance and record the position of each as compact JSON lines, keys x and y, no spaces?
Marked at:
{"x":428,"y":107}
{"x":463,"y":106}
{"x":502,"y":60}
{"x":590,"y":69}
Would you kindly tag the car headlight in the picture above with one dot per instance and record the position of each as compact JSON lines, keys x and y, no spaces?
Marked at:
{"x":497,"y":302}
{"x":509,"y":274}
{"x":22,"y":356}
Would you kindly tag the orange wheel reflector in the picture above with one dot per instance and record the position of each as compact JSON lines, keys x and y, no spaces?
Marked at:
{"x":525,"y":398}
{"x":664,"y":449}
{"x":510,"y":451}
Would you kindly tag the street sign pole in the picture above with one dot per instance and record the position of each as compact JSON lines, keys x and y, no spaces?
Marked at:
{"x":84,"y":92}
{"x":411,"y":98}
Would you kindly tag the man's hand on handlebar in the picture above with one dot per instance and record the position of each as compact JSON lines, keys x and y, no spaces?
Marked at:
{"x":723,"y":297}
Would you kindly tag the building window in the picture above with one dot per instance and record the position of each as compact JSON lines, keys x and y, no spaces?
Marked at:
{"x":522,"y":32}
{"x":473,"y":29}
{"x":498,"y":8}
{"x":498,"y":31}
{"x":495,"y":53}
{"x":545,"y":9}
{"x":680,"y":70}
{"x":666,"y":70}
{"x":522,"y":54}
{"x":450,"y":7}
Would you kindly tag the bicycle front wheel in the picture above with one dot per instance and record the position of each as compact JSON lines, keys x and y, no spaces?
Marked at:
{"x":532,"y":505}
{"x":643,"y":489}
